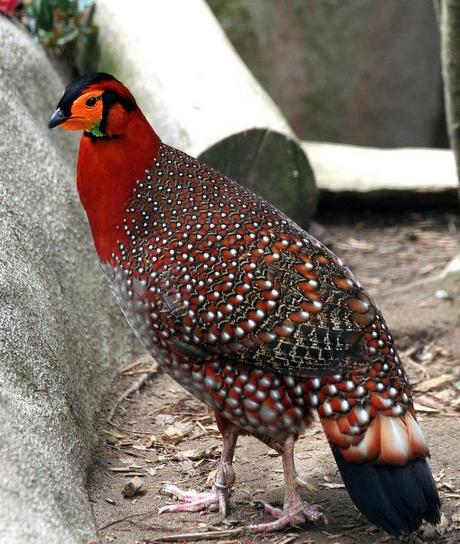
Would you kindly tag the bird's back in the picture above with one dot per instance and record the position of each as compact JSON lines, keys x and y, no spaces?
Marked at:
{"x":211,"y":275}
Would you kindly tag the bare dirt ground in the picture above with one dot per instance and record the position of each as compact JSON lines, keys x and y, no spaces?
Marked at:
{"x":164,"y":434}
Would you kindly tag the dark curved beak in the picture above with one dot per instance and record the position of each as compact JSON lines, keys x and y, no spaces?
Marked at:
{"x":57,"y":118}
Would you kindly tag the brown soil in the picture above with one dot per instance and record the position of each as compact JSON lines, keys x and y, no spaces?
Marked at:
{"x":164,"y":434}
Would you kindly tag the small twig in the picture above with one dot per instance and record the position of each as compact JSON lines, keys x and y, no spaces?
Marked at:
{"x":418,"y":366}
{"x":132,"y":365}
{"x":128,"y":431}
{"x":419,"y":282}
{"x":146,"y":526}
{"x":124,"y":518}
{"x":388,"y":291}
{"x":210,"y":535}
{"x":149,"y":372}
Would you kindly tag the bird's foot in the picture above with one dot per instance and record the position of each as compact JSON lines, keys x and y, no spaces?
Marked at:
{"x":297,"y":515}
{"x":216,"y":500}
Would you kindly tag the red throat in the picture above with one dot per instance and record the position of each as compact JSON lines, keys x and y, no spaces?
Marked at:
{"x":107,"y":171}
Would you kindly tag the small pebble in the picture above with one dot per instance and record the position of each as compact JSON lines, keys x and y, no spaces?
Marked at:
{"x":442,"y":294}
{"x":133,"y":487}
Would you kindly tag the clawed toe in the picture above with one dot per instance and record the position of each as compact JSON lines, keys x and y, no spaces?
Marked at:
{"x":284,"y":518}
{"x":191,"y":500}
{"x":314,"y":514}
{"x":273,"y":511}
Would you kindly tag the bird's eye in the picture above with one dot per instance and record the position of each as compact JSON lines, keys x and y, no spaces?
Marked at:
{"x":91,"y":102}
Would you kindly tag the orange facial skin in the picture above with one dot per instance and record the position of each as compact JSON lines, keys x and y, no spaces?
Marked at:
{"x":86,"y":112}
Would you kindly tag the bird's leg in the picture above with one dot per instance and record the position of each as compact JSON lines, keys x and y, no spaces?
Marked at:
{"x":295,"y":510}
{"x":217,"y":499}
{"x":225,"y":475}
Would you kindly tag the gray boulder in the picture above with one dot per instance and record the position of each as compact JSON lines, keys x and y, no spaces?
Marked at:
{"x":61,"y":336}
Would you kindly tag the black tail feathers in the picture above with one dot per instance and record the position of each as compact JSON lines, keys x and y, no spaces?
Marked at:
{"x":394,"y":498}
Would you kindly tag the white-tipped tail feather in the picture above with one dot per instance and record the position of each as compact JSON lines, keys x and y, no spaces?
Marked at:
{"x":389,"y":440}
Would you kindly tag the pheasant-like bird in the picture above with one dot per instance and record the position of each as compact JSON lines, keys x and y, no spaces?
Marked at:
{"x":248,"y":312}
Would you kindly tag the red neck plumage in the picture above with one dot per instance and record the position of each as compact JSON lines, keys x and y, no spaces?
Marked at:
{"x":107,"y":172}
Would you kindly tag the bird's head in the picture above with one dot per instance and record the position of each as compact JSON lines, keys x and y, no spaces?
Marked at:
{"x":118,"y":145}
{"x":96,"y":103}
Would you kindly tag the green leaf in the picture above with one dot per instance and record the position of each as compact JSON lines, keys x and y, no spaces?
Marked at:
{"x":46,"y":38}
{"x":44,"y":15}
{"x":66,"y":37}
{"x":66,"y":6}
{"x":66,"y":25}
{"x":87,"y":51}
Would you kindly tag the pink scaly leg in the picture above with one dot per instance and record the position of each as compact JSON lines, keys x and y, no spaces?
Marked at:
{"x":217,"y":499}
{"x":295,"y":510}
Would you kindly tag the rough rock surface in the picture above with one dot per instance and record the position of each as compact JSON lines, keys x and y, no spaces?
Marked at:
{"x":61,"y":336}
